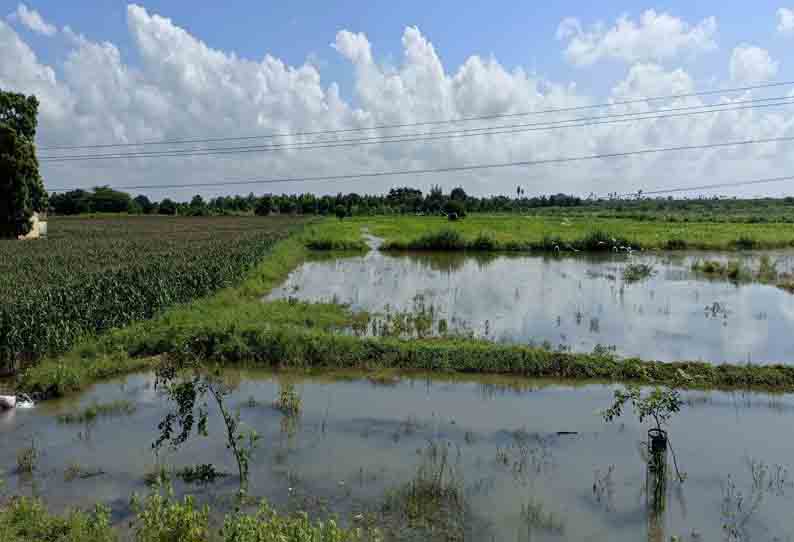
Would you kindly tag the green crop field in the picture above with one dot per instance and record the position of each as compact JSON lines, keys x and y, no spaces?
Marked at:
{"x":92,"y":274}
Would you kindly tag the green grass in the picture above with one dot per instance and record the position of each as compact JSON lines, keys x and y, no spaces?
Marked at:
{"x":585,"y":233}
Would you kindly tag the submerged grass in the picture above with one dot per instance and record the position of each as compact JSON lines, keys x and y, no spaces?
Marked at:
{"x":92,"y":412}
{"x":237,"y":326}
{"x":735,"y":271}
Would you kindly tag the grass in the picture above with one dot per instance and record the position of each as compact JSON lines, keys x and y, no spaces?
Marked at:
{"x":234,"y":326}
{"x":96,"y":410}
{"x":577,"y":232}
{"x":735,"y":271}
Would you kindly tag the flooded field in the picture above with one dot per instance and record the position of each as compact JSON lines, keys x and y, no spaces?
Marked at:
{"x":573,"y":302}
{"x":518,"y":460}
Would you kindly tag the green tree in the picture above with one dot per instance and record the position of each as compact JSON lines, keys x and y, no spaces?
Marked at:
{"x":167,"y":207}
{"x":340,"y":212}
{"x":107,"y":200}
{"x":21,"y":188}
{"x":264,"y":205}
{"x":144,"y":204}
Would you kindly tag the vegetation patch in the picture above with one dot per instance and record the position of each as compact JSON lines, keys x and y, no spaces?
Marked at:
{"x":636,"y":272}
{"x":97,"y":410}
{"x":93,"y":275}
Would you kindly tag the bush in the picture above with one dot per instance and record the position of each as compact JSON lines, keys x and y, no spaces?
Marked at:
{"x":446,"y":239}
{"x":454,"y":208}
{"x":24,"y":519}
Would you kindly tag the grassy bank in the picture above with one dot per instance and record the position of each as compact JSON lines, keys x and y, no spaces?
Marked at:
{"x":585,"y":233}
{"x":235,"y":326}
{"x":160,"y":518}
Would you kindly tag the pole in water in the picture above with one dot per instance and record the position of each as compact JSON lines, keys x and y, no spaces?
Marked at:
{"x":656,"y":484}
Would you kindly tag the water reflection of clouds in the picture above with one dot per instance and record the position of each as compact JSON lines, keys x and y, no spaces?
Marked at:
{"x":580,"y":302}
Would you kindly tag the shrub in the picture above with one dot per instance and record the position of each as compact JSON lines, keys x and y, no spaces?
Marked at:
{"x":161,"y":519}
{"x":446,"y":239}
{"x":24,"y":519}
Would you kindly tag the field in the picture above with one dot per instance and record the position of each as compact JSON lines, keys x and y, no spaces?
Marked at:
{"x":93,"y":274}
{"x":568,"y":232}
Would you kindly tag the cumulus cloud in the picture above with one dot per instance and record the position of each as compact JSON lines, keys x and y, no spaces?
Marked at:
{"x":180,"y":88}
{"x":33,"y":20}
{"x":785,"y":17}
{"x":654,"y":37}
{"x":750,"y":65}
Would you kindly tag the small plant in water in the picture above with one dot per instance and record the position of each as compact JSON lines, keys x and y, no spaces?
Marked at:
{"x":28,"y":458}
{"x":199,"y":474}
{"x":289,"y":401}
{"x":636,"y":272}
{"x":190,"y":385}
{"x":659,"y":405}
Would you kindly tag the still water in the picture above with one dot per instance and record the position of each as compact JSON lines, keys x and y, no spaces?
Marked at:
{"x":573,"y":302}
{"x":532,"y":460}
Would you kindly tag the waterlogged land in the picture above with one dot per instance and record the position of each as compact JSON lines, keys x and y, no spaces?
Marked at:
{"x":236,"y":326}
{"x":430,"y":458}
{"x":648,"y":305}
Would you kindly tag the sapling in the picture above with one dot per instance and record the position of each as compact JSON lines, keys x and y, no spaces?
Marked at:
{"x":659,"y":405}
{"x":190,"y":384}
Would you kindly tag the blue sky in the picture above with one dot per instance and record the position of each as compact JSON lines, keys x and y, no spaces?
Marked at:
{"x":518,"y":34}
{"x":117,"y":72}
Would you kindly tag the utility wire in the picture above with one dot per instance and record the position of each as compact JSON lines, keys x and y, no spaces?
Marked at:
{"x":413,"y":138}
{"x":425,"y":123}
{"x":709,"y":186}
{"x":473,"y":167}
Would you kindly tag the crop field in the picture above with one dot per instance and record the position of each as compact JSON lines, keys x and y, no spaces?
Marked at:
{"x":93,"y":274}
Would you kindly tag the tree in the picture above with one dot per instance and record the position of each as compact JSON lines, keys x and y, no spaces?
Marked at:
{"x":73,"y":202}
{"x":198,"y":207}
{"x":167,"y":207}
{"x":21,"y":189}
{"x":454,"y":209}
{"x":458,"y":194}
{"x":264,"y":205}
{"x":144,"y":204}
{"x":107,"y":200}
{"x":340,"y":211}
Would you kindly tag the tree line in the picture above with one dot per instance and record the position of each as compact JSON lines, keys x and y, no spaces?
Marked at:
{"x":402,"y":200}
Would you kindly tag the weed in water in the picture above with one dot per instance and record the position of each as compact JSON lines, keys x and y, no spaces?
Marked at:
{"x":91,"y":413}
{"x":202,"y":474}
{"x":537,"y":519}
{"x":289,"y":400}
{"x":28,"y":459}
{"x":636,"y":272}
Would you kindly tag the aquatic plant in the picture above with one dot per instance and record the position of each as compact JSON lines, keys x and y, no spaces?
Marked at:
{"x":535,"y":517}
{"x":289,"y":400}
{"x":199,"y":474}
{"x":28,"y":458}
{"x":96,"y":410}
{"x":636,"y":272}
{"x":75,"y":471}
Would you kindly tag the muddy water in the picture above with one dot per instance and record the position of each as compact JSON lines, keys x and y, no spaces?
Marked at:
{"x":532,"y":460}
{"x":573,"y":302}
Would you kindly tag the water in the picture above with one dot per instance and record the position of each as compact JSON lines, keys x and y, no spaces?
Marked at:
{"x":505,"y":452}
{"x":573,"y":302}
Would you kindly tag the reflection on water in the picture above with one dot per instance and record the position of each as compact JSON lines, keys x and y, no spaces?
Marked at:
{"x":519,"y":460}
{"x":573,"y":302}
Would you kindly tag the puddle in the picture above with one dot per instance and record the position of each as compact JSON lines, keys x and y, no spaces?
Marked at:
{"x":570,"y":302}
{"x":532,"y":459}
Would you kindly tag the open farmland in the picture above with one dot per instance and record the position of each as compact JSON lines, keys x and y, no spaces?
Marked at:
{"x":93,"y":274}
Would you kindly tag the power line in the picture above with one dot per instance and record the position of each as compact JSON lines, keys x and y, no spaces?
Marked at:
{"x":424,"y":123}
{"x":710,"y":186}
{"x":413,"y":138}
{"x":450,"y":169}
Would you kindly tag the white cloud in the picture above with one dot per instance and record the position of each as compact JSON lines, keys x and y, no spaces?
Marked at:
{"x":785,"y":23}
{"x":750,"y":65}
{"x":179,"y":87}
{"x":33,"y":20}
{"x":655,"y":37}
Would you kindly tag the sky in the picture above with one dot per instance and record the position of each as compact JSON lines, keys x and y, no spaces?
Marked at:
{"x":111,"y":72}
